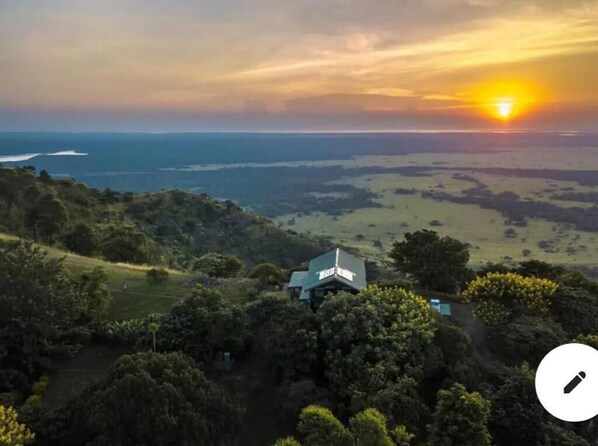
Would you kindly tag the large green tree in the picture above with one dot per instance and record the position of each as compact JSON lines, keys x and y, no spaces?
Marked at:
{"x":52,"y":216}
{"x":268,"y":274}
{"x":125,"y":243}
{"x":92,"y":284}
{"x":517,"y":418}
{"x":203,"y":324}
{"x":373,"y":340}
{"x":155,"y":399}
{"x":319,"y":427}
{"x":437,"y":263}
{"x":497,"y":297}
{"x":460,"y":419}
{"x":45,"y":214}
{"x":82,"y":239}
{"x":527,"y":338}
{"x":290,"y":357}
{"x":576,"y":309}
{"x":218,"y":265}
{"x":41,"y":312}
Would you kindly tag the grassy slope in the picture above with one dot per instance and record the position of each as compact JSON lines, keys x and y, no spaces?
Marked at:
{"x":140,"y":298}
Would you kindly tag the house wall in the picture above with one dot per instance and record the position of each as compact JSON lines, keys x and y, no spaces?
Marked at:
{"x":294,"y":292}
{"x":318,"y":294}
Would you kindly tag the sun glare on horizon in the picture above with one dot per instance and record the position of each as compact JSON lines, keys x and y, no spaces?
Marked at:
{"x":506,"y":101}
{"x":504,"y":108}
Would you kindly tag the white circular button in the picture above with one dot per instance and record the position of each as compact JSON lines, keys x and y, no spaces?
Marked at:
{"x":567,"y":382}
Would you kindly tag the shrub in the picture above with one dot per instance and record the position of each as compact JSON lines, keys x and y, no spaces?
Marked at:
{"x":591,"y":340}
{"x":157,"y":276}
{"x":394,"y":283}
{"x":125,"y":331}
{"x":268,"y":274}
{"x":33,"y":401}
{"x":39,"y":386}
{"x":218,"y":265}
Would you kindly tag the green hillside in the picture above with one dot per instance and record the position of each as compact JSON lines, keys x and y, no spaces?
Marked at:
{"x":167,"y":228}
{"x":141,"y":298}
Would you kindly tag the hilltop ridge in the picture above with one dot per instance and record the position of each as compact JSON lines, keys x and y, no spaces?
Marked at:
{"x":167,"y":227}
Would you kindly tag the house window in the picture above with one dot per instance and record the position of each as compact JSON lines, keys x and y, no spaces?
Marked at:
{"x":319,"y":292}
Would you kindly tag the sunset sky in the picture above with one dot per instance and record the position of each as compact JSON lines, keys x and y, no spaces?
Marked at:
{"x":298,"y":64}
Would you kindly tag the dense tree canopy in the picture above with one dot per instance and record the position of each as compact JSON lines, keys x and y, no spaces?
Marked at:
{"x":437,"y":263}
{"x":527,"y":338}
{"x":517,"y":418}
{"x":375,"y":369}
{"x":154,"y":399}
{"x":201,"y":325}
{"x":498,"y":297}
{"x":319,"y":427}
{"x":372,"y":340}
{"x":41,"y":311}
{"x":460,"y":419}
{"x":290,"y":357}
{"x":179,"y":225}
{"x":576,"y":309}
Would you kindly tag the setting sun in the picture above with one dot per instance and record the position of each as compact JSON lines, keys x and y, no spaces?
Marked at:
{"x":506,"y":100}
{"x":505,"y":108}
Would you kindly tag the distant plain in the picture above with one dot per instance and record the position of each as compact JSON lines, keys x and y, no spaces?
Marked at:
{"x":512,"y":197}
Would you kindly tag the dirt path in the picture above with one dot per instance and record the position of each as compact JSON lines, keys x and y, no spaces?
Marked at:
{"x":476,"y":329}
{"x":462,"y":313}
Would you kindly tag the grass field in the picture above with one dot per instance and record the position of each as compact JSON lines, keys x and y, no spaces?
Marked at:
{"x":141,"y":298}
{"x":373,"y":230}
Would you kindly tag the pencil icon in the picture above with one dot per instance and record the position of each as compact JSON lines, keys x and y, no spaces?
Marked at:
{"x":574,"y":382}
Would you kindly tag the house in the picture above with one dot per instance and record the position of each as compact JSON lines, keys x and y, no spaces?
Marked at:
{"x":329,"y":273}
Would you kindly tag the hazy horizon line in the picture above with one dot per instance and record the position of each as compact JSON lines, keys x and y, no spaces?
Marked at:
{"x":300,"y":132}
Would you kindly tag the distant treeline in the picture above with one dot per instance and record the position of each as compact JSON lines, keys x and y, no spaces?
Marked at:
{"x":518,"y":211}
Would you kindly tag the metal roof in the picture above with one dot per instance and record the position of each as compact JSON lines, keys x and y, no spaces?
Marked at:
{"x":336,"y":265}
{"x":297,"y":279}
